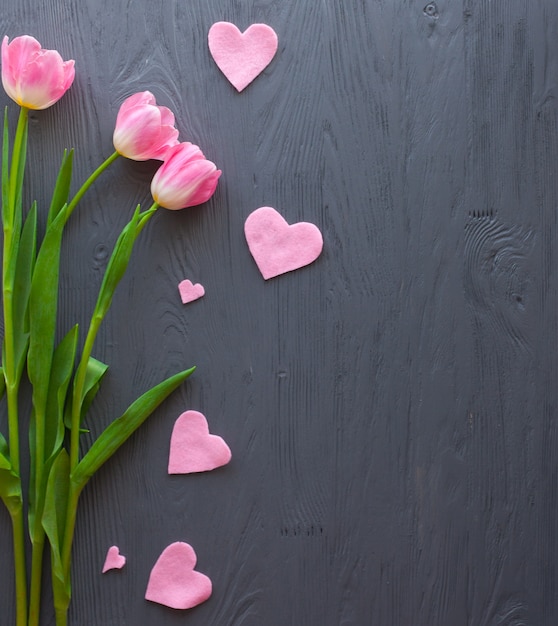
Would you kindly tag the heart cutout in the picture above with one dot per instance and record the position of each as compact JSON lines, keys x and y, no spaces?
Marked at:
{"x":173,"y":580}
{"x":193,"y":449}
{"x":114,"y":560}
{"x":279,"y":247}
{"x":190,"y":292}
{"x":242,"y":56}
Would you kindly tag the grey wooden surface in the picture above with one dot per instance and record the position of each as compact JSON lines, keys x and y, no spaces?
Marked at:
{"x":391,"y":408}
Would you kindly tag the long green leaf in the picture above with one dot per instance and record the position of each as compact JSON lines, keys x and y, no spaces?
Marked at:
{"x":62,"y":187}
{"x":24,"y":267}
{"x":93,"y":376}
{"x":37,"y":496}
{"x":116,"y":268}
{"x":117,"y":265}
{"x":54,"y":519}
{"x":63,"y":363}
{"x":10,"y":485}
{"x":43,"y":304}
{"x":61,"y":373}
{"x":22,"y":288}
{"x":122,"y":428}
{"x":4,"y":446}
{"x":2,"y":383}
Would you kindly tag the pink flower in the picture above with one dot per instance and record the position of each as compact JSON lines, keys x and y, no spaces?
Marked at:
{"x":144,"y":130}
{"x":33,"y":77}
{"x":185,"y":179}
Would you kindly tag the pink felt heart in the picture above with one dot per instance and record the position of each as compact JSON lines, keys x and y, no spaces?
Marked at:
{"x":190,"y":292}
{"x":278,"y":247}
{"x":173,"y":581}
{"x":193,"y":449}
{"x":242,"y":56}
{"x":114,"y":560}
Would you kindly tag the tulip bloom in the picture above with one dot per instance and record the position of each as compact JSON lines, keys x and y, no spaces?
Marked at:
{"x":144,"y":130}
{"x":185,"y":179}
{"x":33,"y":77}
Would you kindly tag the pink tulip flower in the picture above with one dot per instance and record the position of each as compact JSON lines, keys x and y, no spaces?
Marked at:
{"x":33,"y":77}
{"x":144,"y":130}
{"x":185,"y":179}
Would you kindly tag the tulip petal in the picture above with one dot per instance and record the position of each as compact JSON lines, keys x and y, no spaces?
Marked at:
{"x":43,"y":79}
{"x":167,"y":116}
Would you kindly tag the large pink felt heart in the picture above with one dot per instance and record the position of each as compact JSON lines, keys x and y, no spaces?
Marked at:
{"x":242,"y":56}
{"x":193,"y":449}
{"x":173,"y":581}
{"x":278,"y":247}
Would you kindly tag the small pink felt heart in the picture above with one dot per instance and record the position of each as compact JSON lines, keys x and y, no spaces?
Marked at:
{"x":190,"y":292}
{"x":114,"y":559}
{"x":173,"y":581}
{"x":193,"y":449}
{"x":242,"y":56}
{"x":278,"y":247}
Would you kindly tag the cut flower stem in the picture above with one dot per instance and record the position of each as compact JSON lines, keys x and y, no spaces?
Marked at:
{"x":12,"y":182}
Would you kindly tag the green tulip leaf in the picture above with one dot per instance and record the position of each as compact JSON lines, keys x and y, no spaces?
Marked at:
{"x":93,"y":377}
{"x":61,"y":191}
{"x":53,"y":428}
{"x":54,"y":520}
{"x":22,"y":288}
{"x":2,"y":383}
{"x":4,"y":447}
{"x":43,"y":305}
{"x":63,"y":362}
{"x":117,"y":265}
{"x":122,"y":428}
{"x":5,"y":463}
{"x":10,"y":483}
{"x":24,"y":267}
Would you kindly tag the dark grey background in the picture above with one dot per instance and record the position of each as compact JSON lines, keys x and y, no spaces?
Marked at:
{"x":391,"y":408}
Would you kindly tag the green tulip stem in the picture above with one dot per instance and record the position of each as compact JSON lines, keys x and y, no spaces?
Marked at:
{"x":61,"y":616}
{"x":36,"y":578}
{"x":18,"y":531}
{"x":75,"y":489}
{"x":12,"y":232}
{"x":104,"y":165}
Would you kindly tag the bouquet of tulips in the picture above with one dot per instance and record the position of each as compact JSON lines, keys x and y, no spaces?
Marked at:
{"x":64,"y":378}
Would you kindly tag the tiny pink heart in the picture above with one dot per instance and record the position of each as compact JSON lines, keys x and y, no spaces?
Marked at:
{"x":242,"y":56}
{"x":278,"y":247}
{"x":190,"y":292}
{"x":193,"y":449}
{"x":114,"y":560}
{"x":173,"y":580}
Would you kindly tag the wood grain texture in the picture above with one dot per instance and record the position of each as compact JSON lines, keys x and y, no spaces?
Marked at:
{"x":391,"y":408}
